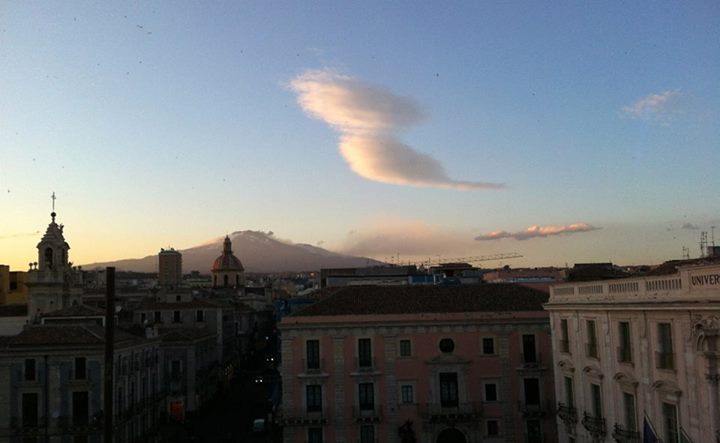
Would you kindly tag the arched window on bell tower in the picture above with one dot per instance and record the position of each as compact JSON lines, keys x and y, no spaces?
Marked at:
{"x":225,"y":280}
{"x":49,"y":258}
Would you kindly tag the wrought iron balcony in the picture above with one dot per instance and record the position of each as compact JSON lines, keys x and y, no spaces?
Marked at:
{"x":567,"y":413}
{"x":462,"y":412}
{"x":538,"y":410}
{"x":368,"y":414}
{"x":25,"y":426}
{"x":622,"y":435}
{"x":300,"y":417}
{"x":594,"y":425}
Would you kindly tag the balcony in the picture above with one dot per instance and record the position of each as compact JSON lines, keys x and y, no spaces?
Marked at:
{"x":531,"y":360}
{"x":622,"y":435}
{"x":367,"y":414}
{"x":463,"y":412}
{"x":591,"y":350}
{"x":567,"y":413}
{"x":665,"y":360}
{"x":594,"y":425}
{"x":624,"y":354}
{"x":28,"y":427}
{"x":87,"y":426}
{"x":538,"y":410}
{"x":365,"y":364}
{"x":564,"y":346}
{"x":313,"y":366}
{"x":301,"y":417}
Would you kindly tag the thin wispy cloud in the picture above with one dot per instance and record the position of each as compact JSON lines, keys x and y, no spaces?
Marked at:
{"x":654,"y":106}
{"x":20,"y":235}
{"x":368,"y":118}
{"x":538,"y":231}
{"x":690,"y":227}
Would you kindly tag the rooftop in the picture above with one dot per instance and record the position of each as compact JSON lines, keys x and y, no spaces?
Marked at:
{"x":78,"y":335}
{"x":373,"y":300}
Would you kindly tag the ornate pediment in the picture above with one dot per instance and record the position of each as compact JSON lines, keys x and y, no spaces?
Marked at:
{"x":593,"y":371}
{"x":667,"y":387}
{"x":566,"y":366}
{"x":626,"y":380}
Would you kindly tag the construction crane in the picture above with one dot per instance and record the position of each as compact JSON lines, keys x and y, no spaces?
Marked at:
{"x":472,"y":259}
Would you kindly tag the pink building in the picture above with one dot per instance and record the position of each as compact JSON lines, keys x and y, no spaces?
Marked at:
{"x":373,"y":364}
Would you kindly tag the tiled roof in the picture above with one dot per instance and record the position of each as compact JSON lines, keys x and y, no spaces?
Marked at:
{"x":76,"y":311}
{"x":372,"y":300}
{"x":151,"y":305}
{"x":69,"y":335}
{"x":184,"y":334}
{"x":13,"y":310}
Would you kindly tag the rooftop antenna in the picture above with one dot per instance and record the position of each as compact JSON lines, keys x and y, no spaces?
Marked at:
{"x":703,"y":243}
{"x":53,"y":201}
{"x":685,"y":253}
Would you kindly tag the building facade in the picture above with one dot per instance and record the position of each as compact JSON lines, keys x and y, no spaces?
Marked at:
{"x":51,"y":385}
{"x":637,"y":358}
{"x":418,"y":363}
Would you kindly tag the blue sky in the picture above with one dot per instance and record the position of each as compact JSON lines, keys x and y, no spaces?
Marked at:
{"x":171,"y":123}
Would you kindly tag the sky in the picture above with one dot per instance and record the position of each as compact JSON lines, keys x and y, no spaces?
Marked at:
{"x":405,"y":131}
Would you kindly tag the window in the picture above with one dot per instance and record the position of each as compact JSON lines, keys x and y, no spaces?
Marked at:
{"x":367,"y":434}
{"x":488,"y":346}
{"x":364,"y":353}
{"x":490,"y":392}
{"x":532,"y":391}
{"x":366,"y":396}
{"x":177,"y":298}
{"x":564,"y":336}
{"x":80,"y":409}
{"x":158,"y":317}
{"x":175,"y":370}
{"x":30,"y":371}
{"x":665,"y":355}
{"x":315,"y":435}
{"x":80,"y":368}
{"x":30,"y":409}
{"x":529,"y":354}
{"x":312,"y":354}
{"x":569,"y":394}
{"x":405,"y":348}
{"x":591,"y":345}
{"x":492,"y":428}
{"x":199,"y":315}
{"x":448,"y":389}
{"x":447,"y":345}
{"x":596,"y":399}
{"x":624,"y":350}
{"x":407,"y":394}
{"x":143,"y":318}
{"x":176,"y":316}
{"x":534,"y":431}
{"x":313,"y":398}
{"x":629,"y":412}
{"x":670,"y":423}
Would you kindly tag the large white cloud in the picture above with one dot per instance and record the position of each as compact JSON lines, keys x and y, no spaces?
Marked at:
{"x":368,"y":117}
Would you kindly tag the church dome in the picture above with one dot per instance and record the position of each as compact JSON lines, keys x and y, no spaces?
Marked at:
{"x":227,"y":261}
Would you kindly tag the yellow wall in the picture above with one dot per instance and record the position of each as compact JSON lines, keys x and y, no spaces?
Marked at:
{"x":12,"y":286}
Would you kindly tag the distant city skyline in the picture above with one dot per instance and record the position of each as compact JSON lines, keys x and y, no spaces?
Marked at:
{"x":566,"y":134}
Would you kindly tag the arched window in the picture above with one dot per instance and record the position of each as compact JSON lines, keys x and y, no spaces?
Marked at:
{"x":237,"y":280}
{"x":49,"y":258}
{"x":215,"y":280}
{"x":225,"y":280}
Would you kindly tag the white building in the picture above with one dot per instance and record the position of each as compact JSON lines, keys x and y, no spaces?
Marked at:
{"x":638,"y":356}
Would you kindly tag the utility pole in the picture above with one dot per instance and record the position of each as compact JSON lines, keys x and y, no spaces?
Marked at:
{"x":109,"y":353}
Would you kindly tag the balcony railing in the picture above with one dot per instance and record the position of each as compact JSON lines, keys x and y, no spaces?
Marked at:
{"x":88,"y":425}
{"x":567,"y":413}
{"x":622,"y":435}
{"x":436,"y":412}
{"x":591,"y":350}
{"x":594,"y":425}
{"x":564,"y":346}
{"x":624,"y":354}
{"x":531,"y":360}
{"x":368,"y":414}
{"x":664,"y":360}
{"x":25,"y":426}
{"x":313,"y":366}
{"x":534,"y":410}
{"x":301,"y":417}
{"x":365,"y":364}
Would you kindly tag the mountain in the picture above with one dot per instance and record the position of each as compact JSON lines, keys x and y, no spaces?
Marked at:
{"x":258,"y":252}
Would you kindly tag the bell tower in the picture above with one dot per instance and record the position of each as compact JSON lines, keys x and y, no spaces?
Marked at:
{"x":52,"y":282}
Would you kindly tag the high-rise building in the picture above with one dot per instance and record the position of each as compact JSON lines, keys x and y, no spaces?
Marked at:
{"x":169,"y":267}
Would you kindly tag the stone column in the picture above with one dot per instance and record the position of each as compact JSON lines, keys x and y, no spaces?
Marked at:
{"x":390,"y":418}
{"x":509,"y":374}
{"x":339,"y":421}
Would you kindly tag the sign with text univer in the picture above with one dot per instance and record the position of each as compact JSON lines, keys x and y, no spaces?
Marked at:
{"x":710,"y":280}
